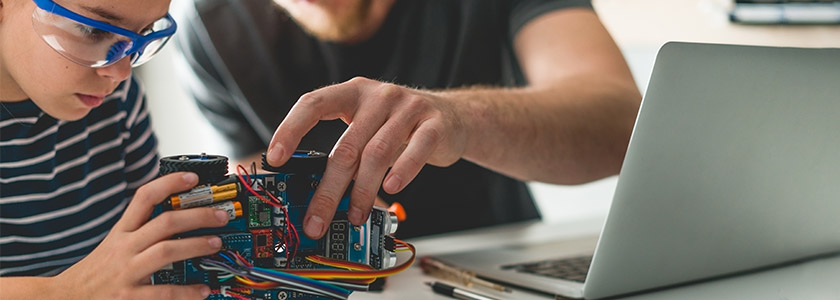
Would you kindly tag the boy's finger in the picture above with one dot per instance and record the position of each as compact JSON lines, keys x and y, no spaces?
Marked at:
{"x":174,"y":222}
{"x":165,"y":252}
{"x":147,"y":196}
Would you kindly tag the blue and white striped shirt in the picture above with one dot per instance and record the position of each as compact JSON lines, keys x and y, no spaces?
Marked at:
{"x":64,"y":184}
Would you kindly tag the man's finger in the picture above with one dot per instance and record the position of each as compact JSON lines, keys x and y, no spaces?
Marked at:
{"x":380,"y":151}
{"x":423,"y":143}
{"x":341,"y":166}
{"x":327,"y":103}
{"x":147,"y":196}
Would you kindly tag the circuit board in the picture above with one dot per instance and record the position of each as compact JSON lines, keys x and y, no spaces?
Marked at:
{"x":266,"y":236}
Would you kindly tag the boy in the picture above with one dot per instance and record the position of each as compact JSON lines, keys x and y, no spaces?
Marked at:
{"x":76,"y":146}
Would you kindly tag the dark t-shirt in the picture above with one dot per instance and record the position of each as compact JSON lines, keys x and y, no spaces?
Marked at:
{"x":250,"y":62}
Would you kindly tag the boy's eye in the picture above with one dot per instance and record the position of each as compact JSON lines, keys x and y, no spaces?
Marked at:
{"x":93,"y":34}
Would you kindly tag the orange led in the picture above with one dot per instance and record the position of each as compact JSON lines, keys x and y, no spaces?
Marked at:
{"x":398,"y":210}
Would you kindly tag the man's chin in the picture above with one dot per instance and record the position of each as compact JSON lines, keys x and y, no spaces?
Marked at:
{"x":331,"y":33}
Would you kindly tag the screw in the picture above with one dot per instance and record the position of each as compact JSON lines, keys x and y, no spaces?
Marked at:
{"x":281,"y":186}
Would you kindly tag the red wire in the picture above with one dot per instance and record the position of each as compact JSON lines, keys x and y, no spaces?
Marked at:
{"x":237,"y":296}
{"x":294,"y":238}
{"x":242,"y":259}
{"x":219,"y":292}
{"x":248,"y":186}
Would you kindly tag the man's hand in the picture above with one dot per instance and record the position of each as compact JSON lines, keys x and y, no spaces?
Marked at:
{"x":389,"y":125}
{"x":121,"y":266}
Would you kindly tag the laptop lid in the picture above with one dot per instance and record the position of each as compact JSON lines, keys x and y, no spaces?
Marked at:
{"x":734,"y":164}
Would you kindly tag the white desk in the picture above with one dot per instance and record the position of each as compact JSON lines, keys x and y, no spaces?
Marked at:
{"x":815,"y":279}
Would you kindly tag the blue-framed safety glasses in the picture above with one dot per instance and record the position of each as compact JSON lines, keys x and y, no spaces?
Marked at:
{"x":97,"y":44}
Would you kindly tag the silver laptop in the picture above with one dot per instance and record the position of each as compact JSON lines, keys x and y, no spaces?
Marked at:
{"x":733,"y":166}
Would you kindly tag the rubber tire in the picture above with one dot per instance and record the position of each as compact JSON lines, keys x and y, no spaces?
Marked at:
{"x":210,"y":168}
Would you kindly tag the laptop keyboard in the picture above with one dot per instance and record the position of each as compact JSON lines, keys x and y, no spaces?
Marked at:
{"x":573,"y":269}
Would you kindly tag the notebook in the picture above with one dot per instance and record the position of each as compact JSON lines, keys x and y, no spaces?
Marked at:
{"x":733,"y":166}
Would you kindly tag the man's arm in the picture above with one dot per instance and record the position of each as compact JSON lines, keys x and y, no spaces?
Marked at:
{"x":570,"y":124}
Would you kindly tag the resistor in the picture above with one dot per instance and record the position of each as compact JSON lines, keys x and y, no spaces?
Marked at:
{"x":233,"y":208}
{"x":204,"y":195}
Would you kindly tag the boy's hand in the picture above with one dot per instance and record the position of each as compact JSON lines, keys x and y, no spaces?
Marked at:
{"x":122,"y":265}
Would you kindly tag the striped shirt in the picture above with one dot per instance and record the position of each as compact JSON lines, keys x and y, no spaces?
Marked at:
{"x":64,"y":184}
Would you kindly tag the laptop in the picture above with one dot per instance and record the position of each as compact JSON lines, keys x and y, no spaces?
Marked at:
{"x":733,"y":166}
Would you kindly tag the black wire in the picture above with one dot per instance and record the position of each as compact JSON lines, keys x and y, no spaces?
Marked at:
{"x":254,"y":173}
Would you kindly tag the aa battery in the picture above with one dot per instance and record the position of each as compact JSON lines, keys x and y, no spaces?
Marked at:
{"x":204,"y":195}
{"x":233,"y":208}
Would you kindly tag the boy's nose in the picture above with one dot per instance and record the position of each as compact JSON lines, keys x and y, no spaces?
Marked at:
{"x":119,"y":71}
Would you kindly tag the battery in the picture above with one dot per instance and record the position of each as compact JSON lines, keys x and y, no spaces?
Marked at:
{"x":203,"y":195}
{"x":233,"y":208}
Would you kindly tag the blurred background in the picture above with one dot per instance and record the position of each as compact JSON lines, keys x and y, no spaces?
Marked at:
{"x":639,"y":27}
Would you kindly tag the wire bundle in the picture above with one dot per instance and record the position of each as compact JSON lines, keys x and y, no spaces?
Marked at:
{"x":331,"y":283}
{"x":336,"y":282}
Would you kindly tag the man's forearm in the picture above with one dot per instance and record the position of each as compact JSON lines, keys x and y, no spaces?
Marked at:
{"x":571,"y":132}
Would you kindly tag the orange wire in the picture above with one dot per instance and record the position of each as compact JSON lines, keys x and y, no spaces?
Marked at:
{"x":363,"y":274}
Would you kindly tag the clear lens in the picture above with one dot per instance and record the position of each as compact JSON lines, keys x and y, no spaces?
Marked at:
{"x":154,"y":46}
{"x":146,"y":54}
{"x":78,"y":42}
{"x":90,"y":46}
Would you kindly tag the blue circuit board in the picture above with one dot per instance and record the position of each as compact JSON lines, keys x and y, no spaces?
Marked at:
{"x":258,"y":236}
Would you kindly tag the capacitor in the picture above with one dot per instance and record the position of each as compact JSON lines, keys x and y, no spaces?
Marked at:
{"x":233,"y":208}
{"x":203,"y":195}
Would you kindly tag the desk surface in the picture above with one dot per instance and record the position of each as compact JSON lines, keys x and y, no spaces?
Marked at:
{"x":815,"y":279}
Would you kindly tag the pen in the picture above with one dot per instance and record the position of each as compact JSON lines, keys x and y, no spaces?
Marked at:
{"x":445,"y":271}
{"x":454,"y":292}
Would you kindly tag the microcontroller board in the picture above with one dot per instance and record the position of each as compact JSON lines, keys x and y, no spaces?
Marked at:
{"x":267,"y":211}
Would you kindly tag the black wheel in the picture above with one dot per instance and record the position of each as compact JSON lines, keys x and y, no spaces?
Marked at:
{"x":210,"y":168}
{"x":301,"y":162}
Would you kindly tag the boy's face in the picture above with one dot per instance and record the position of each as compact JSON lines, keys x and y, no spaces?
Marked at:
{"x":30,"y":68}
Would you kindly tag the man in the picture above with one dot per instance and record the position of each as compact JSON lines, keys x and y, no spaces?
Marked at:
{"x":484,"y":94}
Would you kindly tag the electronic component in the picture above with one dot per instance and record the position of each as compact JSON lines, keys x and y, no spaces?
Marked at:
{"x":268,"y":211}
{"x":203,"y":195}
{"x":260,"y":213}
{"x":233,"y":208}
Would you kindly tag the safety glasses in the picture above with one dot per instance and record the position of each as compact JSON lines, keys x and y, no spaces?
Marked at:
{"x":97,"y":44}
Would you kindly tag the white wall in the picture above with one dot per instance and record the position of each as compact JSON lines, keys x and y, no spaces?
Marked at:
{"x":639,"y":27}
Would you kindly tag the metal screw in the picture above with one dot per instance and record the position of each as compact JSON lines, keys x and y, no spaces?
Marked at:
{"x":357,"y":246}
{"x":281,"y":186}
